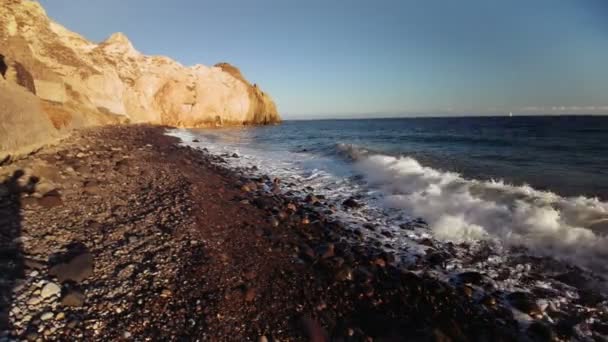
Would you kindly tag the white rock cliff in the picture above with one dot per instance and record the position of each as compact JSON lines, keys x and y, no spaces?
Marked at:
{"x":80,"y":83}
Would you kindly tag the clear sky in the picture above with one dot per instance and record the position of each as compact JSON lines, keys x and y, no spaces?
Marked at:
{"x":334,"y":58}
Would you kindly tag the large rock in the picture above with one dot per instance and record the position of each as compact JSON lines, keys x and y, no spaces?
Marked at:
{"x":83,"y":83}
{"x":24,"y":125}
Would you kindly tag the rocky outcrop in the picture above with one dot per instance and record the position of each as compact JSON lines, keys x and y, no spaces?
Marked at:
{"x":23,"y":123}
{"x":79,"y":82}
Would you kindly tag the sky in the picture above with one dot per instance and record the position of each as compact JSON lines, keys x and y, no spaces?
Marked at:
{"x":364,"y":58}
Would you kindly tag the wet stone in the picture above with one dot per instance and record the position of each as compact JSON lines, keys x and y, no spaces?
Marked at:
{"x":524,"y":302}
{"x":351,"y":203}
{"x":472,"y":277}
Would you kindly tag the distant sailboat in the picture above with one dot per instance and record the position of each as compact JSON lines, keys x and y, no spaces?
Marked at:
{"x":510,"y":114}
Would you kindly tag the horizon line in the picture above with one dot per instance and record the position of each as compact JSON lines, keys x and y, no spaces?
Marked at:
{"x":430,"y":116}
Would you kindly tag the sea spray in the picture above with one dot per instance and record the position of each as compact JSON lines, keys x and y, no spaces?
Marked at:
{"x":460,"y":210}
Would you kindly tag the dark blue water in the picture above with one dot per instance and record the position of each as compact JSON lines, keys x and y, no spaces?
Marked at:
{"x":567,"y":155}
{"x":406,"y":168}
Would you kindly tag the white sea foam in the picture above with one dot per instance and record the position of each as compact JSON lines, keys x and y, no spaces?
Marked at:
{"x":458,"y":209}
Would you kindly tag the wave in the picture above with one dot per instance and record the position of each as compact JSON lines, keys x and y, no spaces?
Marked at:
{"x":464,"y":210}
{"x":457,"y":209}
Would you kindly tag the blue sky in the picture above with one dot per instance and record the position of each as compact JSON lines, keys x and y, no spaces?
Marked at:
{"x":379,"y":58}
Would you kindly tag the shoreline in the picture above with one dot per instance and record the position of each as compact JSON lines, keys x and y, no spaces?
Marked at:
{"x":125,"y":234}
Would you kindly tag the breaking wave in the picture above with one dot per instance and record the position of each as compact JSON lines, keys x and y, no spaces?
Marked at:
{"x":463,"y":210}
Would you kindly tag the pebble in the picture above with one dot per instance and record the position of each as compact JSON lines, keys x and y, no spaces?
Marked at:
{"x":166,"y":293}
{"x":34,"y":300}
{"x":73,"y":298}
{"x":274,"y":222}
{"x":50,"y":290}
{"x":31,"y":336}
{"x":250,"y":294}
{"x":524,"y":302}
{"x":47,"y":316}
{"x":346,"y":273}
{"x":351,"y":203}
{"x":126,"y":272}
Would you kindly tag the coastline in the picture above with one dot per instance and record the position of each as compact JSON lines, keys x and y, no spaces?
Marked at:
{"x":149,"y":239}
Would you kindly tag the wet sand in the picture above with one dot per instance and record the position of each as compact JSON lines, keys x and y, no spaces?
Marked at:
{"x":119,"y":233}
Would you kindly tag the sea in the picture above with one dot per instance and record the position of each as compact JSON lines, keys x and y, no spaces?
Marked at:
{"x":534,"y":182}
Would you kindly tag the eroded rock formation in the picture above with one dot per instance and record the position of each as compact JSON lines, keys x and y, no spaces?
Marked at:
{"x":79,"y":83}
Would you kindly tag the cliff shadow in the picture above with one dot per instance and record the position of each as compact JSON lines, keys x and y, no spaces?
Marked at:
{"x":11,"y":248}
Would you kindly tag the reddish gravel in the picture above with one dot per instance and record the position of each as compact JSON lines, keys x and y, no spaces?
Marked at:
{"x":183,"y":250}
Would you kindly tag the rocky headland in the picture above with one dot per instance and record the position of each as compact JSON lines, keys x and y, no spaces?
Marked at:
{"x":53,"y":80}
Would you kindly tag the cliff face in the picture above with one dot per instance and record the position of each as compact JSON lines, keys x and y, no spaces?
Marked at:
{"x":81,"y":83}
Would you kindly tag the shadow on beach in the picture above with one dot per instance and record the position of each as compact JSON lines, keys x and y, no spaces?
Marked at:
{"x":11,"y":249}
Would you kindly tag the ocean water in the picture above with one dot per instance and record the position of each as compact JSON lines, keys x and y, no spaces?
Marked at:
{"x":536,"y":182}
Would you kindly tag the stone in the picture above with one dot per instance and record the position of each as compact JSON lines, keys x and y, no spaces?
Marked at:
{"x":345,"y":273}
{"x":351,"y":203}
{"x":50,"y":290}
{"x":312,"y":199}
{"x":166,"y":293}
{"x":126,"y":272}
{"x":250,"y":294}
{"x":72,"y":324}
{"x":73,"y":298}
{"x":472,"y":277}
{"x":77,"y":269}
{"x":47,"y":316}
{"x":380,"y":262}
{"x":525,"y":303}
{"x":31,"y":336}
{"x":34,"y":300}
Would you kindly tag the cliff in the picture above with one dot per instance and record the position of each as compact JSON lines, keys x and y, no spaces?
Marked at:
{"x":59,"y":77}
